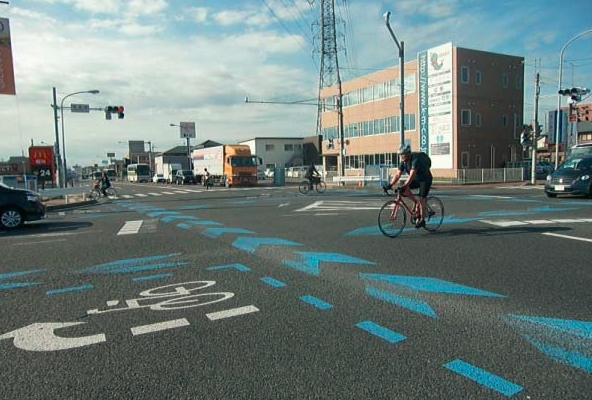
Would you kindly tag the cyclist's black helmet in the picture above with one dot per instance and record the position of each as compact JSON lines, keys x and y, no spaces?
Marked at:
{"x":404,"y":149}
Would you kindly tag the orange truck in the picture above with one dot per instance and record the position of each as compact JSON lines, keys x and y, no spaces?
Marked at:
{"x":228,"y":165}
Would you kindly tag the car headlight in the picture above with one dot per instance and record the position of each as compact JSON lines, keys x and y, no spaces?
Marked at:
{"x":32,"y":197}
{"x":584,"y":177}
{"x":549,"y":178}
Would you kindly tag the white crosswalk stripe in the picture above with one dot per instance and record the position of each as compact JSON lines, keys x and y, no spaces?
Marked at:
{"x":335,"y":205}
{"x":130,"y":227}
{"x":506,"y":223}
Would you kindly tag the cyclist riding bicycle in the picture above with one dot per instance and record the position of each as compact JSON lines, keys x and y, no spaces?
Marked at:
{"x":104,"y":183}
{"x":312,"y":175}
{"x":417,"y":165}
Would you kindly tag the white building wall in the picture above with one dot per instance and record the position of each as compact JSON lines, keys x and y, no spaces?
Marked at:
{"x":280,"y":152}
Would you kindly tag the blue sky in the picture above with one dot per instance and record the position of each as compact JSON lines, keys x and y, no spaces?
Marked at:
{"x":168,"y":61}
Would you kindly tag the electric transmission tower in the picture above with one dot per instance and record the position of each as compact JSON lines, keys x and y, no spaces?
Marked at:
{"x":329,"y":65}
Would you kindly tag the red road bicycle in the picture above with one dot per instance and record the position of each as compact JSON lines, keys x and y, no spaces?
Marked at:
{"x":392,"y":217}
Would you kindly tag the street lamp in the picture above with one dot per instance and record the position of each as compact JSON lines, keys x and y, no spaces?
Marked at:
{"x":65,"y":168}
{"x":401,"y":47}
{"x":559,"y":95}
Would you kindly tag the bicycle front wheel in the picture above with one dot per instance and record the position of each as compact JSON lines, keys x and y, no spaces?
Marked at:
{"x":94,"y":194}
{"x":434,"y":213}
{"x":321,"y":187}
{"x":391,"y":219}
{"x":304,"y":187}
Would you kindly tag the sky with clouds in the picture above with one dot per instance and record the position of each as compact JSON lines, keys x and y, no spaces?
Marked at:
{"x":168,"y":61}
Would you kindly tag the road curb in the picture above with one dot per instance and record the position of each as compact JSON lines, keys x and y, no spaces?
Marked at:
{"x":65,"y":206}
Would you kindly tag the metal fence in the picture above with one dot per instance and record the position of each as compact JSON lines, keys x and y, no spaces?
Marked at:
{"x":486,"y":175}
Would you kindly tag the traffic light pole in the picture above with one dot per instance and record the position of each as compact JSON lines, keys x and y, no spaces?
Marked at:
{"x":58,"y":159}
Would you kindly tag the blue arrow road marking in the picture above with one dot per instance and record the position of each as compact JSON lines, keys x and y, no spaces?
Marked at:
{"x":251,"y":244}
{"x":69,"y":289}
{"x":174,"y":217}
{"x":484,"y":378}
{"x":159,"y":213}
{"x":148,"y":267}
{"x":414,"y":305}
{"x":579,"y":328}
{"x":15,"y":285}
{"x":570,"y":357}
{"x":151,"y":277}
{"x":381,"y":331}
{"x":433,"y":285}
{"x":188,"y":224}
{"x":213,"y":232}
{"x":566,"y":341}
{"x":194,"y":207}
{"x":310,"y":261}
{"x":273,"y":282}
{"x":318,"y":303}
{"x":238,"y":267}
{"x":114,"y":265}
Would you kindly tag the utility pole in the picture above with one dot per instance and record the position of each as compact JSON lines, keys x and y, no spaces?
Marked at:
{"x":535,"y":130}
{"x":401,"y":47}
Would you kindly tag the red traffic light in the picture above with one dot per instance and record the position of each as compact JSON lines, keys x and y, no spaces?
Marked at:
{"x":120,"y":113}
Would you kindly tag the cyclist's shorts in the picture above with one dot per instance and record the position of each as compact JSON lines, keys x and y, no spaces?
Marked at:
{"x":424,"y":186}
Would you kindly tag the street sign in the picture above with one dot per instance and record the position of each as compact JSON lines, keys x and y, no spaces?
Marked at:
{"x":187,"y":130}
{"x":110,"y":155}
{"x":105,"y":162}
{"x":79,"y":108}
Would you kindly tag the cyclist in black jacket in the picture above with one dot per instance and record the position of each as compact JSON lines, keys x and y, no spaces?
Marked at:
{"x":417,"y":165}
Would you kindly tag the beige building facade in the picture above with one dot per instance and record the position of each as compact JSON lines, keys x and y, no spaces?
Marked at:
{"x":463,"y":107}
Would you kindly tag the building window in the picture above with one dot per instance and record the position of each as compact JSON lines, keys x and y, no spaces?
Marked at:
{"x":297,"y":147}
{"x":505,"y":81}
{"x":478,"y":119}
{"x":478,"y":77}
{"x":464,"y":75}
{"x":465,"y":117}
{"x":288,"y":147}
{"x":504,"y":121}
{"x":269,"y":147}
{"x":464,"y":159}
{"x":518,"y":82}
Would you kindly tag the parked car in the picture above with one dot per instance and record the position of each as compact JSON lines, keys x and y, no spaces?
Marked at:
{"x":184,"y":177}
{"x":158,"y":178}
{"x":574,"y":176}
{"x":18,"y":206}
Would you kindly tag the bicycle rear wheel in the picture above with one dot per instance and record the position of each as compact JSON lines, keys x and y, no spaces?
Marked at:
{"x":434,"y":213}
{"x":304,"y":187}
{"x":111,"y":192}
{"x":391,"y":219}
{"x":321,"y":187}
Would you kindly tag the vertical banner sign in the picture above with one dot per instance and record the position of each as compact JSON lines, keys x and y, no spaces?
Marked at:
{"x":435,"y":104}
{"x":187,"y":130}
{"x":6,"y":69}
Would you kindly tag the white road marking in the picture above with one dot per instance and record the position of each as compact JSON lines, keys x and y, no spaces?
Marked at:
{"x":130,"y":227}
{"x":567,"y":237}
{"x":155,"y":194}
{"x":504,"y":223}
{"x":233,"y":312}
{"x":160,"y":326}
{"x":168,"y":192}
{"x":41,"y":242}
{"x":141,"y":195}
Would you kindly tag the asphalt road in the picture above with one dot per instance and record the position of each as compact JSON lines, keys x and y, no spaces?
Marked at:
{"x":263,"y":293}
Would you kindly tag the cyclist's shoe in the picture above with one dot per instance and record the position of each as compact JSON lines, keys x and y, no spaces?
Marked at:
{"x":431,"y":213}
{"x":386,"y":188}
{"x":420,"y":223}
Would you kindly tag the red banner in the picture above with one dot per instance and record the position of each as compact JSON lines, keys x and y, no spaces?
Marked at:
{"x":41,"y":156}
{"x":7,"y":85}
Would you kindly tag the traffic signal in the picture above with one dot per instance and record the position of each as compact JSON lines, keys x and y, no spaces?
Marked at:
{"x":114,"y":110}
{"x":575,"y":93}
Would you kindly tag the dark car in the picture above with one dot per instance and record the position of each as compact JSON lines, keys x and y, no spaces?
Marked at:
{"x":18,"y":206}
{"x":574,"y":176}
{"x":184,"y":176}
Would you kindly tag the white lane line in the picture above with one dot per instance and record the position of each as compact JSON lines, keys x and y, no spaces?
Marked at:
{"x":127,"y":196}
{"x":160,"y":326}
{"x":313,"y":205}
{"x":155,"y":194}
{"x":130,"y":227}
{"x":504,"y":223}
{"x":40,"y":242}
{"x":233,"y":312}
{"x":567,"y":221}
{"x":539,"y":221}
{"x":168,"y":192}
{"x":567,"y":237}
